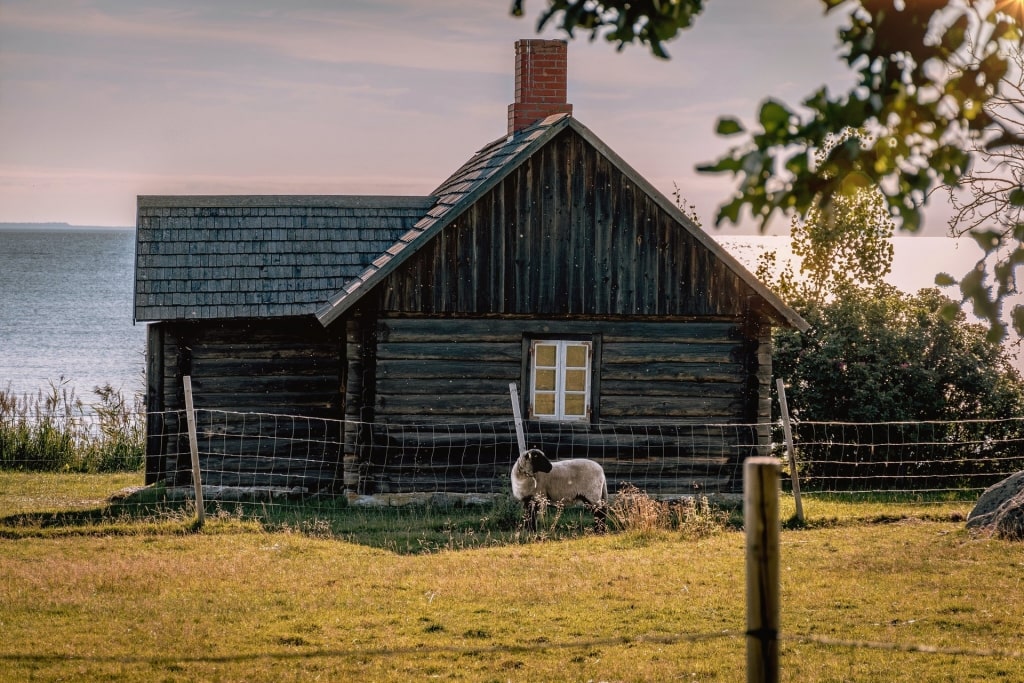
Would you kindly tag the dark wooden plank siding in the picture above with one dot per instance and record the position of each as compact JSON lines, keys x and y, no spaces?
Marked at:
{"x":290,"y":372}
{"x":566,"y":233}
{"x":426,"y":368}
{"x":441,"y":402}
{"x":289,"y":367}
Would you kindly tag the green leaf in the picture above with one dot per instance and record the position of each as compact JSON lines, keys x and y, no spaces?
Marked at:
{"x":729,"y":212}
{"x":1017,"y":196}
{"x":1003,"y":140}
{"x":727,"y":125}
{"x":911,"y":218}
{"x":996,"y":332}
{"x":773,"y":117}
{"x":1017,"y":316}
{"x":988,"y":240}
{"x":726,"y":164}
{"x":945,"y":280}
{"x":949,"y":311}
{"x":955,"y":34}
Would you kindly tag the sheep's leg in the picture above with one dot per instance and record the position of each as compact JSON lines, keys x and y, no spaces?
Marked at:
{"x":530,"y":514}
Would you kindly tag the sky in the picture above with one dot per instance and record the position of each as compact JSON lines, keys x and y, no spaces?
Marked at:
{"x":104,"y":100}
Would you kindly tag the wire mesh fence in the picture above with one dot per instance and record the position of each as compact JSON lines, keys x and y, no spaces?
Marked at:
{"x":908,"y":457}
{"x":295,"y":457}
{"x":306,"y":456}
{"x":298,"y":456}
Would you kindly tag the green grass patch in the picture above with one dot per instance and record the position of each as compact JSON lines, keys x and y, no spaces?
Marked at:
{"x":837,"y":509}
{"x":116,"y":591}
{"x":285,"y":605}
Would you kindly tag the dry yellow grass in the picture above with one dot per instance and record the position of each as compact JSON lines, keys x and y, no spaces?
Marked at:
{"x":120,"y":599}
{"x":235,"y":605}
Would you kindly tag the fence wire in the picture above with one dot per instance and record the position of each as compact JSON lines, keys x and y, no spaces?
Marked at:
{"x":907,"y":457}
{"x":307,"y":455}
{"x":296,"y":456}
{"x":670,"y":639}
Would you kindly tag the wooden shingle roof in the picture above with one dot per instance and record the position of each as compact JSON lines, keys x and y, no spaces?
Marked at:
{"x":203,"y":257}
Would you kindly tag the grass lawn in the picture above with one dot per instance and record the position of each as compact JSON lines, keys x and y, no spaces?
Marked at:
{"x":110,"y":599}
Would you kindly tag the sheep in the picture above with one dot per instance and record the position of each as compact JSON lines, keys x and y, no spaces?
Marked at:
{"x":534,"y":477}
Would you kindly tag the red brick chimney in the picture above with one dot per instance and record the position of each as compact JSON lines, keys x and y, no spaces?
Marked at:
{"x":540,"y":82}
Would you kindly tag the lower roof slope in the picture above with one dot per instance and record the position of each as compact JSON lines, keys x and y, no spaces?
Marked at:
{"x":207,"y":256}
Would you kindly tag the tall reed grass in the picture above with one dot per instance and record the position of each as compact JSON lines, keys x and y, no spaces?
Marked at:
{"x":55,"y":431}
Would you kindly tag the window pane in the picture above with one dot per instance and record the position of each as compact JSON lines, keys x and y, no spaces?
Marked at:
{"x":545,"y":355}
{"x":575,"y":380}
{"x":575,"y":405}
{"x":576,"y":356}
{"x":560,"y":379}
{"x":544,"y":404}
{"x":544,"y":380}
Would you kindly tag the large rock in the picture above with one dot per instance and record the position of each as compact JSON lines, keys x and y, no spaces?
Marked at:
{"x":1000,"y":509}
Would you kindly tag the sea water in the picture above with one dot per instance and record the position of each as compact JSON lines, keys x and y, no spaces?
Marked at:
{"x":66,"y":310}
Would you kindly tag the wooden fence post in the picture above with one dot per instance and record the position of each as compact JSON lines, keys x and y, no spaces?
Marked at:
{"x":761,"y":521}
{"x":787,"y":429}
{"x":190,"y":415}
{"x":520,"y":437}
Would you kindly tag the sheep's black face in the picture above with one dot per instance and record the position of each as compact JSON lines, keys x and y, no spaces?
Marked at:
{"x":538,"y":462}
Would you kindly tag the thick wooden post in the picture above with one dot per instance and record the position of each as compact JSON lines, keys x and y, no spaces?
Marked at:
{"x":156,"y":436}
{"x":761,"y":520}
{"x":513,"y":391}
{"x":787,"y":429}
{"x":190,"y":415}
{"x":360,"y":396}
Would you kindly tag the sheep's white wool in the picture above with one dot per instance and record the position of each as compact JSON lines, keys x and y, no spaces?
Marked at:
{"x":563,"y":481}
{"x":524,"y":484}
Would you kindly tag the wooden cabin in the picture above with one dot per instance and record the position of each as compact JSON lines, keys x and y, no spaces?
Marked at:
{"x":366,"y":344}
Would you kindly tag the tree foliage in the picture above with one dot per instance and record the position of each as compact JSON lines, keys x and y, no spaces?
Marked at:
{"x":887,"y":389}
{"x":876,"y":354}
{"x":648,"y":22}
{"x":988,"y":204}
{"x":928,"y":74}
{"x":845,"y":244}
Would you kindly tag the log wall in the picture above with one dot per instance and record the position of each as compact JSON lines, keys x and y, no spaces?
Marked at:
{"x":441,"y":408}
{"x":292,"y":367}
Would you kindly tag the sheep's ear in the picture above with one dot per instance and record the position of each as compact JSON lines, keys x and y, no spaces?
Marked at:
{"x":540,"y":462}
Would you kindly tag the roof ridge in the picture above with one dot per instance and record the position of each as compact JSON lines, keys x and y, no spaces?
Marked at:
{"x":233,"y":201}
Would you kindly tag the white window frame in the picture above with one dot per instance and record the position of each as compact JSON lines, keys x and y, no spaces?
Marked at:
{"x":560,"y":368}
